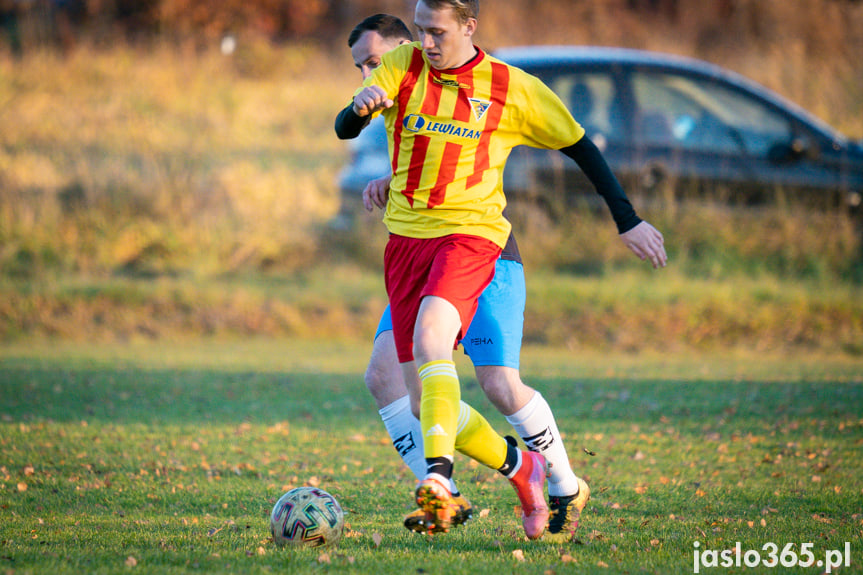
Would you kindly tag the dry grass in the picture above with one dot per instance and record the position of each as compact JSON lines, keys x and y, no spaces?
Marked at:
{"x":108,"y":159}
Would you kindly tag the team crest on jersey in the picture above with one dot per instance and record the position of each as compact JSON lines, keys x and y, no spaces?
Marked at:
{"x":480,"y":107}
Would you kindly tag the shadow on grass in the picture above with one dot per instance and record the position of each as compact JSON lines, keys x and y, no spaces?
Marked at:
{"x":178,"y":397}
{"x":712,"y":408}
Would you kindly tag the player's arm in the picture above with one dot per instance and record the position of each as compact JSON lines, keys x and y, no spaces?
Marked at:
{"x":593,"y":164}
{"x":351,"y":121}
{"x":644,"y":240}
{"x":349,"y":124}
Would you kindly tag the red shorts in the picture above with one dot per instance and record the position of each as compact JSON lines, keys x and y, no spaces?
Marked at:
{"x":456,"y":268}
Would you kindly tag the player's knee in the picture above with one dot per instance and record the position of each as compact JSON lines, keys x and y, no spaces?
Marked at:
{"x":504,"y":387}
{"x":495,"y":380}
{"x":431,"y":344}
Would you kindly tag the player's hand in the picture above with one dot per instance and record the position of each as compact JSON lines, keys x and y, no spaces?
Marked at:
{"x":647,"y":243}
{"x":376,"y":193}
{"x":370,"y":100}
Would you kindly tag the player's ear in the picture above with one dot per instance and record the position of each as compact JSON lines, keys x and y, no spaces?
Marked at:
{"x":470,"y":27}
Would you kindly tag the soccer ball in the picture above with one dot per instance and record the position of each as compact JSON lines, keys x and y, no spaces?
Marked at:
{"x":307,"y":516}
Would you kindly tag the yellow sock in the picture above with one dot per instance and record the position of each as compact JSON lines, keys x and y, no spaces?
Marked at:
{"x":439,"y":408}
{"x":477,"y":438}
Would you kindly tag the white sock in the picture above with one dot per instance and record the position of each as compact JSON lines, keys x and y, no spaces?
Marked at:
{"x":536,"y":426}
{"x":404,"y":431}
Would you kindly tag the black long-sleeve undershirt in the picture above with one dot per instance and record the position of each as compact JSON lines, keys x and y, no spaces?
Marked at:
{"x":590,"y":160}
{"x":349,"y":124}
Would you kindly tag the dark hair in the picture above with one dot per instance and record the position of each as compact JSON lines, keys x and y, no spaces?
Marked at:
{"x":463,"y":9}
{"x":384,"y":24}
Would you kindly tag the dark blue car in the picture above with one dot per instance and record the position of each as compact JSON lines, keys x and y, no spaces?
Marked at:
{"x":668,"y":126}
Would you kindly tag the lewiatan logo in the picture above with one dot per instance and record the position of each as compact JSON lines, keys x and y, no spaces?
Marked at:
{"x":418,"y":124}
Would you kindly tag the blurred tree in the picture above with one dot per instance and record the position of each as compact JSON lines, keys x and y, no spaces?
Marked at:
{"x":9,"y":16}
{"x":666,"y":8}
{"x":705,"y":25}
{"x":137,"y":19}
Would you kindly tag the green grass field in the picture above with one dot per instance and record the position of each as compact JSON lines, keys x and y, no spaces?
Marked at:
{"x":167,"y":458}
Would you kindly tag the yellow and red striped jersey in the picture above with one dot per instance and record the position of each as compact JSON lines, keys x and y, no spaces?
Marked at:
{"x":450,"y":133}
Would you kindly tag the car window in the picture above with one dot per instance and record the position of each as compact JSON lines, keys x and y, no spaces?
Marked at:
{"x":591,"y":98}
{"x":703,"y":115}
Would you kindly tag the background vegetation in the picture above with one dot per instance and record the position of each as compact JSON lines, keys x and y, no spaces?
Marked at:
{"x":153,"y":184}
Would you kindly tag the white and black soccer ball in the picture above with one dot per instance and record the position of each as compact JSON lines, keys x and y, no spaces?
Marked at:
{"x":307,"y":516}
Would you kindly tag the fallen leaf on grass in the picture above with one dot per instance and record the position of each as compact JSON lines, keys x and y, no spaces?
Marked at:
{"x":518,"y":554}
{"x":484,"y":513}
{"x":131,"y":561}
{"x":566,"y":558}
{"x":377,"y":538}
{"x":601,"y":564}
{"x":22,"y":486}
{"x":261,"y":551}
{"x":324,"y":558}
{"x":822,"y":519}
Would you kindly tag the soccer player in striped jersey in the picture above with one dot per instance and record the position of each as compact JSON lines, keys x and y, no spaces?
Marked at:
{"x":493,"y":342}
{"x":453,"y":114}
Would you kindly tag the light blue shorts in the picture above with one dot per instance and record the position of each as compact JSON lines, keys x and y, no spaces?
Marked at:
{"x":494,"y":336}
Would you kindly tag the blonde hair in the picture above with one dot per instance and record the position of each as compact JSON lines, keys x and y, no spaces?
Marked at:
{"x":463,"y":9}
